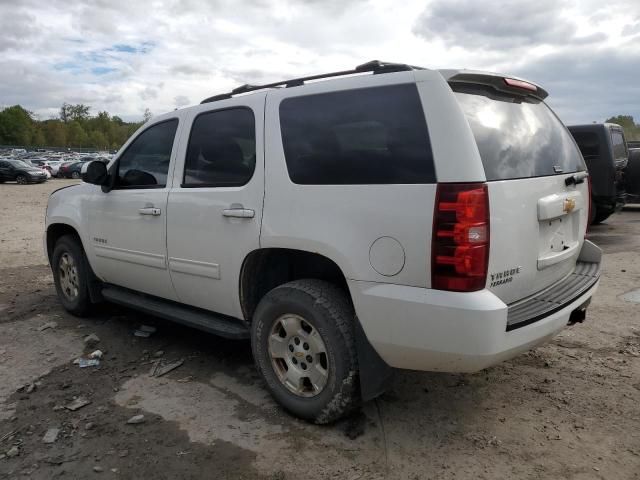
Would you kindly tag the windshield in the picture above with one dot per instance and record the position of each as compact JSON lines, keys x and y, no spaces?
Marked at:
{"x":518,"y":137}
{"x":19,"y":163}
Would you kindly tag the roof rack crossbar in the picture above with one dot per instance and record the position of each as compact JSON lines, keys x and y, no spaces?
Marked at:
{"x":374,"y":66}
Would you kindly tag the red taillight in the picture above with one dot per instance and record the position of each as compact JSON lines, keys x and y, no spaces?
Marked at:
{"x":590,"y":202}
{"x":460,"y":244}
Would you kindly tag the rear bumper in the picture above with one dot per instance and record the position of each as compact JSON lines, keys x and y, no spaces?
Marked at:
{"x":423,"y":329}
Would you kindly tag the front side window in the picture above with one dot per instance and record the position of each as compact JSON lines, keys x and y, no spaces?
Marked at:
{"x":145,"y":163}
{"x":374,"y":135}
{"x":222,"y":149}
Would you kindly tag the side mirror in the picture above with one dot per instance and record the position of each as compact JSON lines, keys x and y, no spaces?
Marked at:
{"x":94,"y":172}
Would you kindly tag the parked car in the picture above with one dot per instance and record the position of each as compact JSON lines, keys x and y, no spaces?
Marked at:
{"x":605,"y":152}
{"x":42,"y":164}
{"x":386,"y":217}
{"x":53,"y":166}
{"x":17,"y":170}
{"x":632,"y":176}
{"x":63,"y":170}
{"x":73,"y":171}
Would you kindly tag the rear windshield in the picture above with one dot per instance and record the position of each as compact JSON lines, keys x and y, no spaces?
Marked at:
{"x":518,"y":137}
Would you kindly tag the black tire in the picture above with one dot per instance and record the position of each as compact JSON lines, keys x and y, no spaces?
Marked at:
{"x":601,"y":215}
{"x":79,"y":306}
{"x":329,"y":310}
{"x":75,"y":175}
{"x":22,"y":179}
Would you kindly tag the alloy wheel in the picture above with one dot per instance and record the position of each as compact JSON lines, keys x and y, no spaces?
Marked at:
{"x":68,"y":275}
{"x":298,"y":355}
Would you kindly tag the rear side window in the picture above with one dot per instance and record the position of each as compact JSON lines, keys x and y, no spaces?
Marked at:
{"x":366,"y":136}
{"x":518,"y":137}
{"x":619,"y":146}
{"x":222,"y":149}
{"x":145,"y":163}
{"x":588,"y":143}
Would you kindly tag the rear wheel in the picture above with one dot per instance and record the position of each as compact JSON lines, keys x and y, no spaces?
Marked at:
{"x":70,"y":275}
{"x":303,"y":344}
{"x":21,"y":179}
{"x":75,"y":175}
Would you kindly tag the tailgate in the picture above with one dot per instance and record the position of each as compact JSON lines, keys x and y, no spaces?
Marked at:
{"x":538,"y":193}
{"x":537,"y":231}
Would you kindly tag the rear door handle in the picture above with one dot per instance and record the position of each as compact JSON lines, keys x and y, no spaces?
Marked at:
{"x":149,"y":211}
{"x":238,"y":213}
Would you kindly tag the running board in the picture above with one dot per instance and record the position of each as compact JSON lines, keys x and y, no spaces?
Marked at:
{"x":221,"y":325}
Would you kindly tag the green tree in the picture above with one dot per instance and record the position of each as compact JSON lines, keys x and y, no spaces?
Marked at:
{"x":77,"y":112}
{"x":16,"y":126}
{"x":55,"y":133}
{"x":76,"y":136}
{"x":75,"y":127}
{"x":631,"y":129}
{"x":98,"y":140}
{"x":38,"y":137}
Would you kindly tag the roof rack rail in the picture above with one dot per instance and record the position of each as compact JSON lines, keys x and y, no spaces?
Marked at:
{"x":374,"y":66}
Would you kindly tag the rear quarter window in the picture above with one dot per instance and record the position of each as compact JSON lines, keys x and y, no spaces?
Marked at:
{"x":517,"y":137}
{"x":619,"y":145}
{"x":588,"y":143}
{"x":372,"y":135}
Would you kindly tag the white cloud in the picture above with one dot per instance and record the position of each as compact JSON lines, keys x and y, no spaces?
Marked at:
{"x":124,"y":56}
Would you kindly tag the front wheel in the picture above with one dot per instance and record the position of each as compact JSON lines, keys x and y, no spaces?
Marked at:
{"x":21,"y":179}
{"x":70,"y":275}
{"x":303,"y":344}
{"x":75,"y":175}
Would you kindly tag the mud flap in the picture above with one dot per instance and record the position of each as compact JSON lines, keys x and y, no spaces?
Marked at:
{"x":95,"y":284}
{"x":376,"y":375}
{"x":590,"y":252}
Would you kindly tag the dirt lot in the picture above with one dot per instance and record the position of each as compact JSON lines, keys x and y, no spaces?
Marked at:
{"x":570,"y":409}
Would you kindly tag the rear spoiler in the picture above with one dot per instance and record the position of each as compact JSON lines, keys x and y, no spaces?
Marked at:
{"x":501,"y":83}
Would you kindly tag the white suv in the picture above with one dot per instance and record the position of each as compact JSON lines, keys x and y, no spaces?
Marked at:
{"x":385,"y":217}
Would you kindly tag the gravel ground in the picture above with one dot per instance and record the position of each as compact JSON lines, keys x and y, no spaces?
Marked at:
{"x":569,"y":409}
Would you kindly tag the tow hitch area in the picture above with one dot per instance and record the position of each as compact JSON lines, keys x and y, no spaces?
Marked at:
{"x":579,"y":314}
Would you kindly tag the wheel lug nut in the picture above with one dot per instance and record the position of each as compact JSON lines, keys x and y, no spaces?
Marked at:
{"x":297,"y":341}
{"x":309,"y":358}
{"x":305,"y":346}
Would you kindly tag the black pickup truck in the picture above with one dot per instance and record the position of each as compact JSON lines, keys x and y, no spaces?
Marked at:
{"x":632,"y":175}
{"x":605,"y":152}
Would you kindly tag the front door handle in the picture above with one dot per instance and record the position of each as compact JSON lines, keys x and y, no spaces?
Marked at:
{"x":149,"y":211}
{"x":239,"y":212}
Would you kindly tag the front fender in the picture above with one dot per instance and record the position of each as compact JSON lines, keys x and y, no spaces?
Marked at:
{"x":66,"y":207}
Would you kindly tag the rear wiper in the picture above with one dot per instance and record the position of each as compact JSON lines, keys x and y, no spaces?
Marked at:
{"x":576,"y":179}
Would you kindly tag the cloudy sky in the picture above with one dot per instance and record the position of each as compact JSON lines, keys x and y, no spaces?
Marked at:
{"x":126,"y":55}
